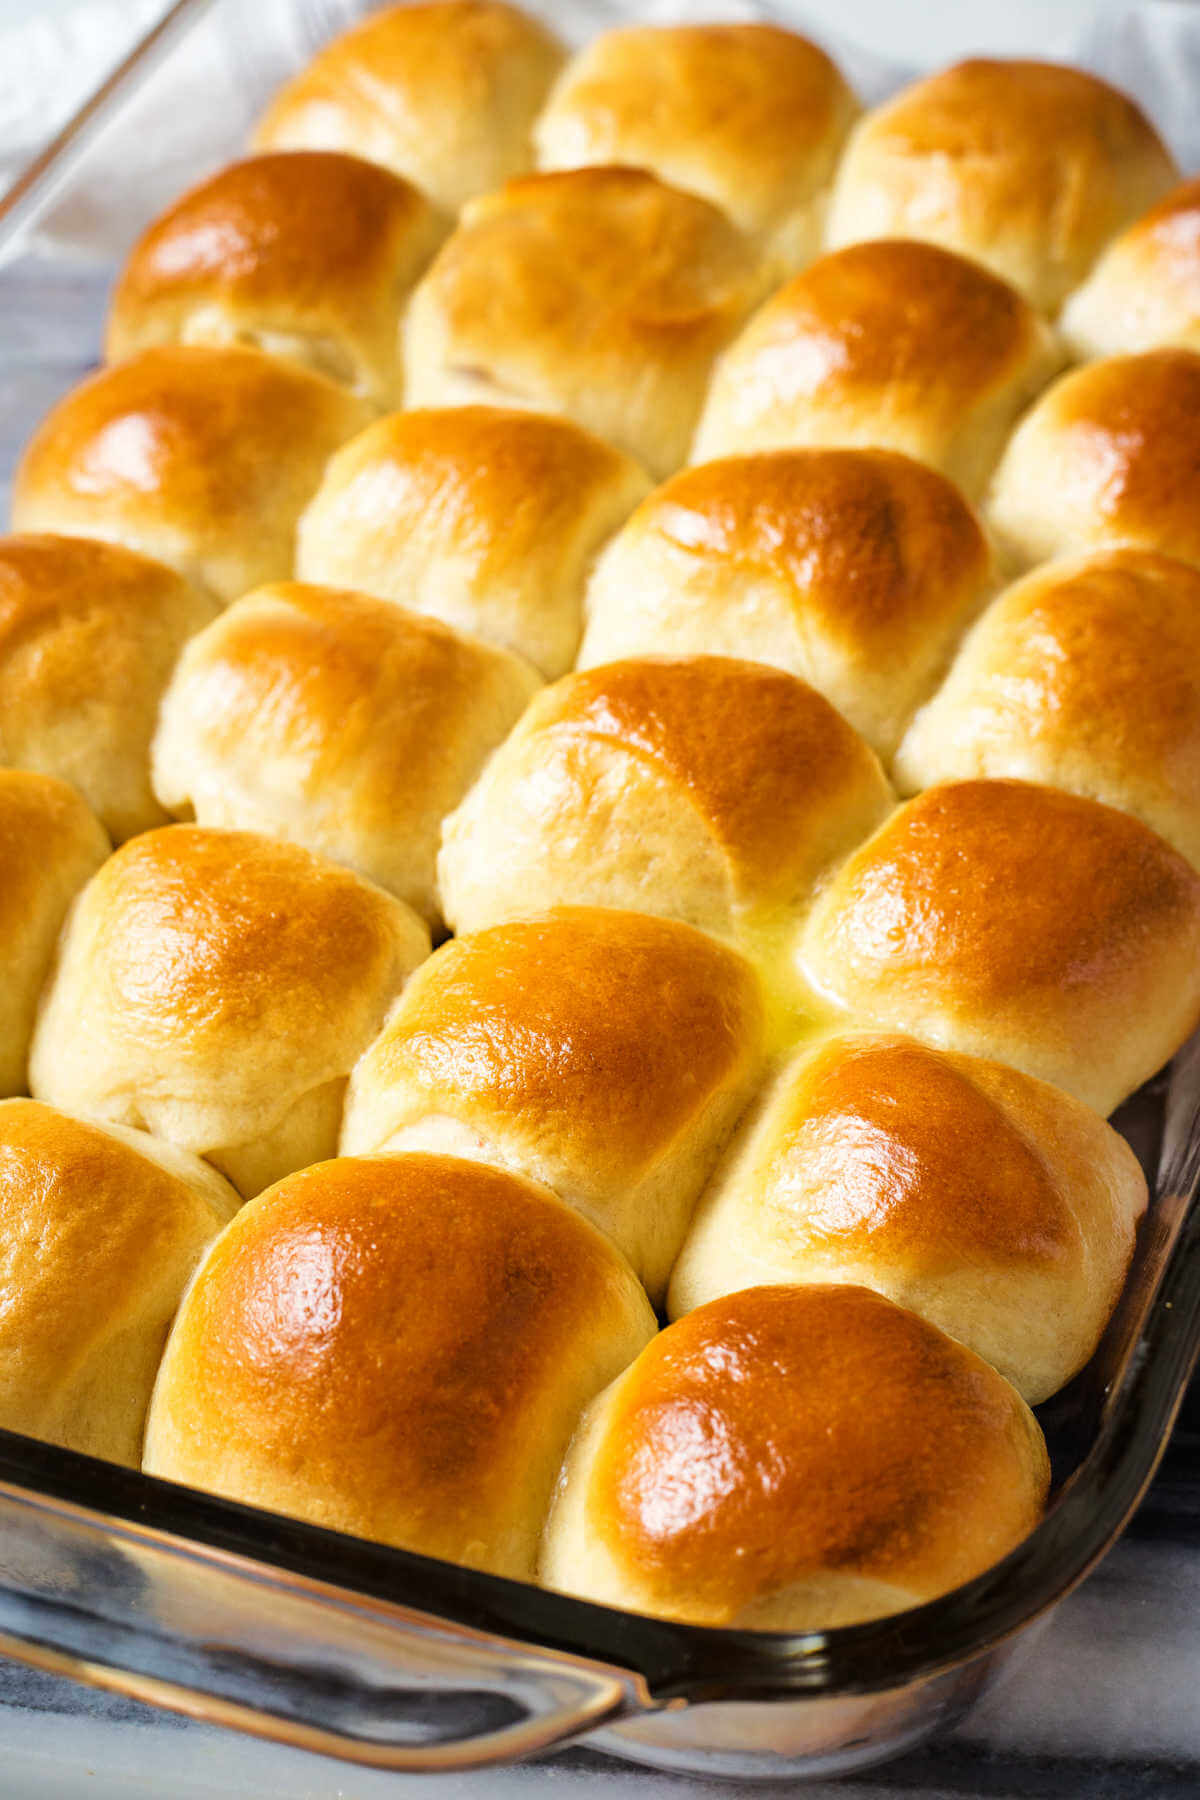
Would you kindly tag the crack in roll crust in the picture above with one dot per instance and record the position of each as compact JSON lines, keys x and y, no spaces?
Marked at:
{"x":339,"y":722}
{"x":89,"y":633}
{"x":606,"y":1054}
{"x":598,"y":293}
{"x":482,"y":516}
{"x":443,"y":93}
{"x":203,"y":457}
{"x":1085,"y":676}
{"x":750,"y":117}
{"x":1145,"y":290}
{"x":735,"y":1475}
{"x":1016,"y":922}
{"x":1030,"y":167}
{"x":215,"y":987}
{"x":398,"y":1347}
{"x":1109,"y":455}
{"x":855,"y":570}
{"x":309,"y":254}
{"x":894,"y":343}
{"x":993,"y":1205}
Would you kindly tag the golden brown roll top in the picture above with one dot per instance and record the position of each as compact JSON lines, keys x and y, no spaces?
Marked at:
{"x":398,"y":1347}
{"x":1145,"y":290}
{"x":751,"y":117}
{"x":340,"y":722}
{"x":50,"y":845}
{"x":856,"y":570}
{"x":606,"y":1054}
{"x":215,"y":988}
{"x":896,"y":344}
{"x":1109,"y":455}
{"x":793,"y":1458}
{"x":485,"y":517}
{"x":309,"y":255}
{"x":100,"y":1231}
{"x":602,"y":294}
{"x":1015,"y":922}
{"x":1085,"y":676}
{"x":444,"y":93}
{"x":89,"y":633}
{"x":996,"y":1207}
{"x":1029,"y":167}
{"x":202,"y":457}
{"x":700,"y":788}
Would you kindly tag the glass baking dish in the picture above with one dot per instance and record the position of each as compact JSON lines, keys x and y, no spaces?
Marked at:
{"x":394,"y":1660}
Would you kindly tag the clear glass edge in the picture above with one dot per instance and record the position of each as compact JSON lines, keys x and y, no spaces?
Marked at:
{"x":34,"y":190}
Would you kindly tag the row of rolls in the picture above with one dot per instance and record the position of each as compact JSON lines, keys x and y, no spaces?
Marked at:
{"x":821,"y":857}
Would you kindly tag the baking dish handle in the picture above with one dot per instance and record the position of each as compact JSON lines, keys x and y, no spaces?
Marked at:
{"x":204,"y":1634}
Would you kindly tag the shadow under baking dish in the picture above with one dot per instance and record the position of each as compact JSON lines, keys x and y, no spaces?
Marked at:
{"x":395,"y":1660}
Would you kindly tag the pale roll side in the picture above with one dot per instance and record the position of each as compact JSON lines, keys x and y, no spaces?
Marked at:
{"x":215,"y":988}
{"x":995,"y":1206}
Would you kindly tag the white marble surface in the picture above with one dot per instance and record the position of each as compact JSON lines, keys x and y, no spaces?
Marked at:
{"x":1106,"y":1706}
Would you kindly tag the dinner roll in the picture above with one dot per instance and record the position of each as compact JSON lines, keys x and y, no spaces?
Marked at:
{"x":699,"y":788}
{"x":1110,"y":455}
{"x":485,"y":517}
{"x":751,"y":117}
{"x":599,"y":293}
{"x":854,"y":569}
{"x":793,"y":1458}
{"x":50,"y":844}
{"x":310,"y":255}
{"x":1029,"y":167}
{"x":1145,"y":290}
{"x":201,"y":456}
{"x":399,"y":1347}
{"x":1015,"y":922}
{"x":89,"y":633}
{"x":896,"y":344}
{"x":996,"y":1207}
{"x":443,"y":93}
{"x":100,"y":1231}
{"x":606,"y":1054}
{"x":339,"y":722}
{"x":1085,"y":676}
{"x":215,"y":988}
